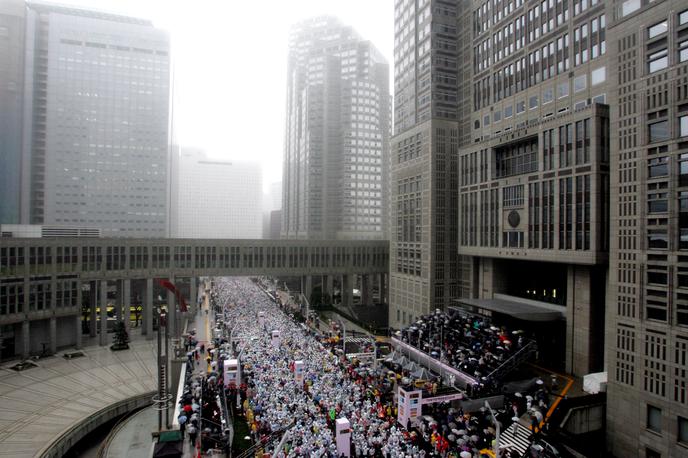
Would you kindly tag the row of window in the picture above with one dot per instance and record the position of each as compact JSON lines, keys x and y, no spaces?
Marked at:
{"x":661,"y":130}
{"x":480,"y":218}
{"x":12,"y":259}
{"x":654,"y":424}
{"x":541,"y":64}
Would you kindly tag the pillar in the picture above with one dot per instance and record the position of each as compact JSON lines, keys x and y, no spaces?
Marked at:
{"x":126,"y":303}
{"x":26,"y":339}
{"x":383,"y":288}
{"x":347,"y":299}
{"x":579,"y":335}
{"x":103,"y":312}
{"x":80,"y":304}
{"x":53,"y":335}
{"x":148,"y":310}
{"x":93,"y":301}
{"x":117,"y":303}
{"x":365,"y":290}
{"x":329,"y":288}
{"x":193,"y":295}
{"x":307,"y":290}
{"x":172,"y":311}
{"x":77,"y":323}
{"x":52,"y":325}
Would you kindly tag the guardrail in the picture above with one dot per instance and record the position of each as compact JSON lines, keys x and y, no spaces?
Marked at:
{"x":72,"y":435}
{"x":513,"y":361}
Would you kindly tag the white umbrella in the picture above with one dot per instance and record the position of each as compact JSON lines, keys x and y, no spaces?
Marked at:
{"x":465,"y":454}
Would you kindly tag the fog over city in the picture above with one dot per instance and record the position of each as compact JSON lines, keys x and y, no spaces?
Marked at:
{"x":344,"y":228}
{"x":230,"y":66}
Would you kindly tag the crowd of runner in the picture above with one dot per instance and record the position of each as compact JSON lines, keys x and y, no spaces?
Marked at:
{"x":271,"y":399}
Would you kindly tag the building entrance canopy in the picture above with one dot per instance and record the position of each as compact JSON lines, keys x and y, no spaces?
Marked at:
{"x":526,"y":310}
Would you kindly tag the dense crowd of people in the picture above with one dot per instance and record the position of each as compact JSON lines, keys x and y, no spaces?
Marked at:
{"x":468,"y":343}
{"x":271,"y":398}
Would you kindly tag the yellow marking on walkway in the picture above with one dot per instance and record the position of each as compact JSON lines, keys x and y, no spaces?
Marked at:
{"x":558,"y":399}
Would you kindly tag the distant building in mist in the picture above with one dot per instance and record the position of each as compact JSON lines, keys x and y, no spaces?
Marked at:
{"x":337,"y":134}
{"x":92,"y":91}
{"x":216,"y":199}
{"x":12,"y":14}
{"x":272,"y":201}
{"x":275,"y":224}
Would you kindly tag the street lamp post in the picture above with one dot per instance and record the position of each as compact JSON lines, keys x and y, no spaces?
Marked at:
{"x":494,"y":419}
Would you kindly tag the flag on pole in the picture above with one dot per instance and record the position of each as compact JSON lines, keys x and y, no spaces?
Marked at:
{"x":168,"y":285}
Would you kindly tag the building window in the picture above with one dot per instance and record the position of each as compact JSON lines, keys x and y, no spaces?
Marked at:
{"x":629,"y":6}
{"x":683,"y":170}
{"x":682,"y":432}
{"x":654,"y":418}
{"x":683,"y":126}
{"x":683,"y":17}
{"x":562,"y":90}
{"x":602,"y":98}
{"x":657,"y":239}
{"x":580,"y":83}
{"x":548,"y":95}
{"x":566,"y":145}
{"x":683,"y":201}
{"x":512,"y":196}
{"x":598,"y":76}
{"x":497,"y":115}
{"x":649,"y":453}
{"x":533,"y":102}
{"x":657,"y":202}
{"x":659,"y":131}
{"x":520,"y":107}
{"x":486,"y":120}
{"x":516,"y":159}
{"x":657,"y":61}
{"x":657,"y":29}
{"x":508,"y":111}
{"x":683,"y":51}
{"x":658,"y":167}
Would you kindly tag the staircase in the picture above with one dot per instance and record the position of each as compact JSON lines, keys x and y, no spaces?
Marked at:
{"x":518,"y":358}
{"x":520,"y":441}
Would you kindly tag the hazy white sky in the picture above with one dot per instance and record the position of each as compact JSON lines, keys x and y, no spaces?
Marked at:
{"x":231,"y":62}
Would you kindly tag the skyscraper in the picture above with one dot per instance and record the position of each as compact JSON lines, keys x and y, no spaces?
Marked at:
{"x":96,"y":116}
{"x":216,"y":199}
{"x":571,"y":197}
{"x":431,"y":92}
{"x":647,"y":297}
{"x":11,"y":94}
{"x":337,"y":134}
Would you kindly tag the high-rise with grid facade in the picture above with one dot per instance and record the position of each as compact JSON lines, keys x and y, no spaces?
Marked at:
{"x":572,"y":200}
{"x":337,"y":135}
{"x":96,"y":121}
{"x":534,"y":181}
{"x":647,"y":300}
{"x":431,"y":90}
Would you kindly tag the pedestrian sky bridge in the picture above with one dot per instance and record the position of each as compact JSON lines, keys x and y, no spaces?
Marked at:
{"x":51,"y":290}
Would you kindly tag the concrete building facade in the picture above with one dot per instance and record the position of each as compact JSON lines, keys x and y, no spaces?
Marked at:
{"x":12,"y":18}
{"x":647,"y":298}
{"x":96,"y":121}
{"x":534,"y":180}
{"x":431,"y":91}
{"x":337,"y":135}
{"x":216,"y":199}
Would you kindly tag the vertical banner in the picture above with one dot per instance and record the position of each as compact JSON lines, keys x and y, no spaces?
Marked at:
{"x":343,"y":431}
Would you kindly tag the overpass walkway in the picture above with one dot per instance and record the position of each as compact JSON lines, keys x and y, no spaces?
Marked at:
{"x":48,"y":408}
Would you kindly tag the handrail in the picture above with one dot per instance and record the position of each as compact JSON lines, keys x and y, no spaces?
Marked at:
{"x":531,"y":346}
{"x":102,"y":450}
{"x":53,"y":448}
